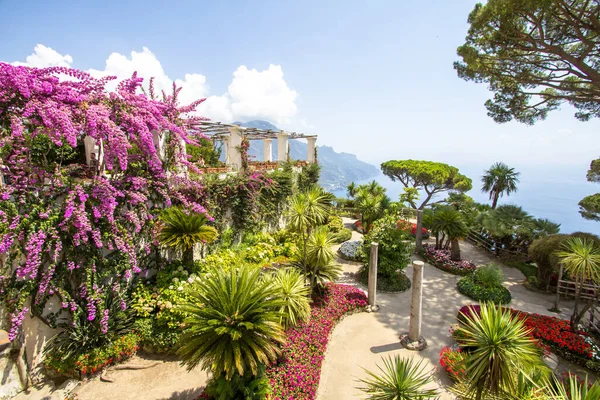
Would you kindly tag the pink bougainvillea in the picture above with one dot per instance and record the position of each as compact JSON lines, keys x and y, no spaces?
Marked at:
{"x":75,"y":230}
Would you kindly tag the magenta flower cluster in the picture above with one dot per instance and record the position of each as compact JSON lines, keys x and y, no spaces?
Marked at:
{"x":441,"y":259}
{"x":296,"y":375}
{"x":16,"y":320}
{"x":64,"y":226}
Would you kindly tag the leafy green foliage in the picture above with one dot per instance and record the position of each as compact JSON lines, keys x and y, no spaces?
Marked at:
{"x":543,"y":252}
{"x":499,"y":347}
{"x":335,"y":223}
{"x":233,"y":324}
{"x":80,"y":336}
{"x":394,"y":249}
{"x":428,"y":176}
{"x":581,"y":259}
{"x":247,"y":387}
{"x":574,"y":389}
{"x":204,"y":153}
{"x":399,"y":379}
{"x":289,"y":286}
{"x":309,"y":177}
{"x":321,"y":266}
{"x":500,"y":179}
{"x":46,"y":154}
{"x":449,"y":223}
{"x":342,"y":236}
{"x":471,"y":287}
{"x":534,"y":55}
{"x":182,"y":230}
{"x":489,"y":275}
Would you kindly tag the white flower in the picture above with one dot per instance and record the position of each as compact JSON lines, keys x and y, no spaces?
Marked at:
{"x":175,"y":280}
{"x":180,"y":288}
{"x":171,"y":287}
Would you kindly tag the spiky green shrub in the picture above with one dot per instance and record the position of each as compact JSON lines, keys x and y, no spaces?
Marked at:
{"x":290,"y":287}
{"x":399,"y":379}
{"x":233,"y":324}
{"x":182,"y":230}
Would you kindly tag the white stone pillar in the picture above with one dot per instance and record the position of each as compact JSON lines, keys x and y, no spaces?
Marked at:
{"x":97,"y":148}
{"x":311,"y":149}
{"x":373,"y":276}
{"x":282,"y":146}
{"x":413,"y":340}
{"x":159,"y":140}
{"x":234,"y":141}
{"x":268,"y":149}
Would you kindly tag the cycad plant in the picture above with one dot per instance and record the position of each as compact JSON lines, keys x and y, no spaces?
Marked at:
{"x":182,"y":230}
{"x":233,"y":325}
{"x":399,"y":379}
{"x":321,"y":266}
{"x":289,"y":286}
{"x":451,"y":224}
{"x":369,"y":206}
{"x":500,"y":347}
{"x":580,"y":258}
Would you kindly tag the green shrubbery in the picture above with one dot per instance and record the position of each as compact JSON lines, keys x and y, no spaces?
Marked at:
{"x":393,"y":255}
{"x":485,"y":285}
{"x":342,"y":236}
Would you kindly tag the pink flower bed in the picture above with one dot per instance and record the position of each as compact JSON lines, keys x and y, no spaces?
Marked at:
{"x":296,"y":375}
{"x":441,"y":259}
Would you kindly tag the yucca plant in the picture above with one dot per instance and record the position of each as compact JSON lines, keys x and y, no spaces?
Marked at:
{"x":581,"y":259}
{"x":182,"y":230}
{"x":290,"y":287}
{"x":233,"y":325}
{"x":399,"y":379}
{"x":500,"y":347}
{"x":574,"y":390}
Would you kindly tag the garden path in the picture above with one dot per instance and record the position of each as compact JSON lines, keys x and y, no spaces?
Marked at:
{"x":360,"y":340}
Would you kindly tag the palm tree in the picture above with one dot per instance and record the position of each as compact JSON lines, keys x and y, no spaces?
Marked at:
{"x":544,"y":227}
{"x":500,"y":347}
{"x":580,"y":258}
{"x":182,"y":230}
{"x":232,"y":326}
{"x":370,"y":207}
{"x":320,"y":258}
{"x":509,"y":225}
{"x":307,"y":210}
{"x":290,"y":287}
{"x":399,"y":379}
{"x":351,"y":190}
{"x":498,"y":180}
{"x":375,"y":188}
{"x":451,"y":223}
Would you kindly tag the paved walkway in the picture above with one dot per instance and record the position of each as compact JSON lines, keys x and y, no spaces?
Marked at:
{"x":361,"y":340}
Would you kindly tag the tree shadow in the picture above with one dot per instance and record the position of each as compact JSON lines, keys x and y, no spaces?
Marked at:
{"x":188,"y":394}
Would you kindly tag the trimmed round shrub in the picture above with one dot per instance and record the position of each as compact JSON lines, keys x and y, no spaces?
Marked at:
{"x":342,"y":236}
{"x":398,"y":282}
{"x":543,"y":252}
{"x":470,"y":287}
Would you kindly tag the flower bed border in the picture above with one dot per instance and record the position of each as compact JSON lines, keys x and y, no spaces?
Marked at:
{"x":564,"y":353}
{"x":443,"y":267}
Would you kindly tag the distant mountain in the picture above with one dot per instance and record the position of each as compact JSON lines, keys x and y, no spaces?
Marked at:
{"x":337,"y":169}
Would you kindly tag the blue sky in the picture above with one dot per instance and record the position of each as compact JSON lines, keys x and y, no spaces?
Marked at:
{"x":372,"y":78}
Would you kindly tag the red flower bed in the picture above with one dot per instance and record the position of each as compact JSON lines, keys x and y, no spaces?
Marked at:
{"x":412,"y":228}
{"x":556,"y":334}
{"x":449,"y":359}
{"x":296,"y":375}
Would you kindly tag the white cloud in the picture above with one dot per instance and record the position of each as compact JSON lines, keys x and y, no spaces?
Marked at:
{"x":46,"y":57}
{"x":252,"y":94}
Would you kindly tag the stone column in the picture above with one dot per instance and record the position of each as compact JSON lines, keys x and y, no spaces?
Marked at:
{"x":95,"y":147}
{"x":373,"y":276}
{"x":311,"y":149}
{"x":234,"y":141}
{"x":268,"y":149}
{"x":282,"y":146}
{"x":159,"y":140}
{"x":419,"y":232}
{"x":413,"y":340}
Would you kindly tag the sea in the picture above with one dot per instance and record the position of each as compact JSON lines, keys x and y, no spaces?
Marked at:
{"x":544,"y":192}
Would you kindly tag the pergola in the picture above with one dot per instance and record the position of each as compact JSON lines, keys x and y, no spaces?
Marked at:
{"x":232,"y":135}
